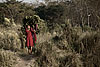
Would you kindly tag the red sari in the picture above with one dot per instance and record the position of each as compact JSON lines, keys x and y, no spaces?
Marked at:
{"x":29,"y":38}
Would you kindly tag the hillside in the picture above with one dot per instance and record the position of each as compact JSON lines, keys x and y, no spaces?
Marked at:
{"x":68,"y":34}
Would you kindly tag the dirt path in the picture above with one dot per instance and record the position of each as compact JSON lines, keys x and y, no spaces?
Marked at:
{"x":25,"y":61}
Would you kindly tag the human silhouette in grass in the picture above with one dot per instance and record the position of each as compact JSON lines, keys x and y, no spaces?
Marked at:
{"x":30,"y":36}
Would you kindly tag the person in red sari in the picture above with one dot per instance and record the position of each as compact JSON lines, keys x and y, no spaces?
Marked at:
{"x":29,"y":41}
{"x":34,"y":36}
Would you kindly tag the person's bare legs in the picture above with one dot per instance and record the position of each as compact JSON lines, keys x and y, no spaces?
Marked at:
{"x":31,"y":49}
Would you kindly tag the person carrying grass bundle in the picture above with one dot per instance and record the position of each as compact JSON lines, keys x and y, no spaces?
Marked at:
{"x":34,"y":35}
{"x":29,"y":41}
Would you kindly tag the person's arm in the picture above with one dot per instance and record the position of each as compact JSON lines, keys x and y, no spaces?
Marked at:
{"x":32,"y":30}
{"x":36,"y":26}
{"x":26,"y":29}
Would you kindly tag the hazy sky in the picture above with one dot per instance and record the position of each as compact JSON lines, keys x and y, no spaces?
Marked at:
{"x":27,"y":0}
{"x":30,"y":1}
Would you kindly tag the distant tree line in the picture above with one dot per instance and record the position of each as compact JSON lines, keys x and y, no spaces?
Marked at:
{"x":80,"y":12}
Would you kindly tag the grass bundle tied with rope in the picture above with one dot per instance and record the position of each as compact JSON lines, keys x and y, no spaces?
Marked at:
{"x":33,"y":20}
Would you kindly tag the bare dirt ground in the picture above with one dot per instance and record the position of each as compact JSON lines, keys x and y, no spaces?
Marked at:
{"x":25,"y":60}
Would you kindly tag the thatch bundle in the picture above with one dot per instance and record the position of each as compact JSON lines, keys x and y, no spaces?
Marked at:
{"x":33,"y":20}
